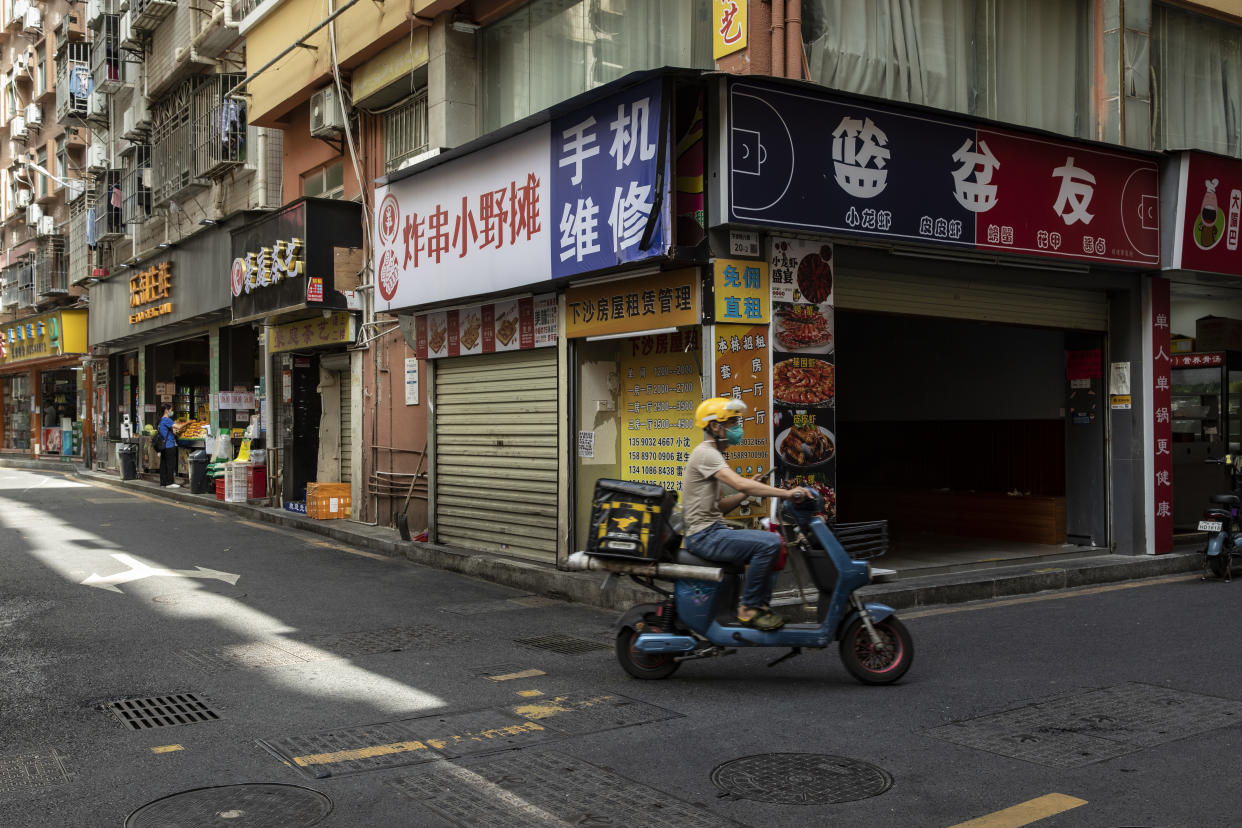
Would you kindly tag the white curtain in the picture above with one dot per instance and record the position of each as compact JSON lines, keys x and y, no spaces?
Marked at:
{"x":1040,"y":76}
{"x":1198,"y":66}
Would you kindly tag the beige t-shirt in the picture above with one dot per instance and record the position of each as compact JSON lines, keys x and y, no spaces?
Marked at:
{"x":700,"y":489}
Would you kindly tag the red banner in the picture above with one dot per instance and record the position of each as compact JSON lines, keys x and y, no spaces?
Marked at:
{"x":1210,"y":209}
{"x":1162,"y":424}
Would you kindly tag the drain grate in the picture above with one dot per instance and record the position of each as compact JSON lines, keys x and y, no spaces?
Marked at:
{"x":539,"y":790}
{"x":240,"y":656}
{"x":370,"y":642}
{"x":31,"y":770}
{"x":256,"y":805}
{"x":1080,"y":729}
{"x":161,"y":711}
{"x":800,"y":778}
{"x":577,"y":713}
{"x":565,"y":644}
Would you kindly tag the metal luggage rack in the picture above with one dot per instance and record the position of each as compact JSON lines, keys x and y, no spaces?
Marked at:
{"x":863,"y":541}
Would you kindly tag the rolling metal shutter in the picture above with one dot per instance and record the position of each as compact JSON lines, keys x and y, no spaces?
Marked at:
{"x":998,"y":301}
{"x":345,"y":384}
{"x":496,"y":464}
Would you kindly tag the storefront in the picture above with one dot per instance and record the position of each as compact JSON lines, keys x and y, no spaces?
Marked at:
{"x":294,"y":278}
{"x":162,"y":325}
{"x":962,"y":323}
{"x":1203,"y":219}
{"x":46,"y":410}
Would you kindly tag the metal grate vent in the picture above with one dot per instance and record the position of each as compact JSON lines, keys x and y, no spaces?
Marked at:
{"x":562,"y":644}
{"x":161,"y":711}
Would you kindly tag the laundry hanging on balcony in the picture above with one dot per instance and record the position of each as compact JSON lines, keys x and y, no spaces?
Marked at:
{"x":81,"y":84}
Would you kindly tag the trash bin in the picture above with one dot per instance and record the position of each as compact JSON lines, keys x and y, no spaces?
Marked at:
{"x":128,"y":455}
{"x":198,"y":472}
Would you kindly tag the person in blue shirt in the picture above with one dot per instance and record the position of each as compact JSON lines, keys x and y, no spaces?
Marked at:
{"x":166,"y":441}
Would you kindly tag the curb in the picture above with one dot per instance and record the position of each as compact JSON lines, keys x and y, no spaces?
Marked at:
{"x":584,"y":588}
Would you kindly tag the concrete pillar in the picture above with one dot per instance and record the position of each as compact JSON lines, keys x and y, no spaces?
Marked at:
{"x":452,"y":84}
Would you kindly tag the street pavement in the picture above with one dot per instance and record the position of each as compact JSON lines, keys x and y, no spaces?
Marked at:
{"x":171,"y":664}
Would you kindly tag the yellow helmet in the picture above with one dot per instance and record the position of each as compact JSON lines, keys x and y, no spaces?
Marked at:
{"x":717,"y":410}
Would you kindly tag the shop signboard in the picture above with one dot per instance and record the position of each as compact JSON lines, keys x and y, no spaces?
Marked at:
{"x":507,"y":325}
{"x":1197,"y":360}
{"x":1161,"y":466}
{"x":741,"y":291}
{"x":46,"y":335}
{"x":150,"y":293}
{"x":742,"y":365}
{"x":645,"y":303}
{"x":729,"y":28}
{"x":804,"y":384}
{"x":335,"y":329}
{"x":821,"y":162}
{"x":659,"y":392}
{"x":1208,"y":224}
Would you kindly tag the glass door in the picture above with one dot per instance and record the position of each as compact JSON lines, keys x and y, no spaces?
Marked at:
{"x":1200,"y":420}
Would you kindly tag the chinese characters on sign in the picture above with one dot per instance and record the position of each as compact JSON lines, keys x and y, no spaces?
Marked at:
{"x":150,"y":293}
{"x":728,"y":27}
{"x":1210,"y":207}
{"x":659,"y":392}
{"x":803,"y":365}
{"x":1162,"y":427}
{"x":310,"y":333}
{"x":269,"y":266}
{"x":662,"y":300}
{"x":742,"y":362}
{"x":1196,"y":360}
{"x":605,"y":165}
{"x":509,"y":325}
{"x":741,"y":289}
{"x":904,"y":176}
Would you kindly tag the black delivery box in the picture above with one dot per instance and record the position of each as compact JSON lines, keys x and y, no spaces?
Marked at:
{"x":631,"y":520}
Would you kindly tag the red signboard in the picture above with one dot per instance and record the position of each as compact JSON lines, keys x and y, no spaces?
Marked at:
{"x":1209,"y":215}
{"x":1198,"y":360}
{"x":1162,"y":425}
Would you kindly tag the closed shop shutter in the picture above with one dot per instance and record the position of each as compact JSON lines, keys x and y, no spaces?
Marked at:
{"x":345,"y":383}
{"x":496,"y":464}
{"x":1011,"y":302}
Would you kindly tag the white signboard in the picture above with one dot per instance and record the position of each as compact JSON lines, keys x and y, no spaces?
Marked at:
{"x":411,"y":380}
{"x":477,"y":224}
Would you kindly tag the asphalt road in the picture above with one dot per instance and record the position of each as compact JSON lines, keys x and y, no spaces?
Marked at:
{"x":313,"y":677}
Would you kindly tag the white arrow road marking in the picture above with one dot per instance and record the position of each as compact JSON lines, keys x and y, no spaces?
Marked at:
{"x":138,"y":570}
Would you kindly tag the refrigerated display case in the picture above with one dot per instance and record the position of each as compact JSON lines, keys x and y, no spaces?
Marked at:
{"x":1206,"y":420}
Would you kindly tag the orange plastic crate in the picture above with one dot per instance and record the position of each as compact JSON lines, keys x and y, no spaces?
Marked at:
{"x":327,"y":501}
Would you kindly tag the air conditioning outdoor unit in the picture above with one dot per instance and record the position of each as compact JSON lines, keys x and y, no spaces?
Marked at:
{"x":47,"y":226}
{"x":34,"y":114}
{"x":23,"y":198}
{"x":97,"y":105}
{"x":33,"y":213}
{"x":33,"y":21}
{"x":327,"y":116}
{"x":17,"y":127}
{"x":20,"y":7}
{"x":97,"y":157}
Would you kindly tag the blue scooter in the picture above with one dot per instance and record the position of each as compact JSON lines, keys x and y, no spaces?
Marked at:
{"x":1221,"y":523}
{"x":698,"y":617}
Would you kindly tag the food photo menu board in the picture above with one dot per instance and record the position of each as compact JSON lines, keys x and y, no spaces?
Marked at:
{"x":804,"y":380}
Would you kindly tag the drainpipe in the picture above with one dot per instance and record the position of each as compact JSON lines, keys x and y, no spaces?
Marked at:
{"x":793,"y":39}
{"x":229,"y":22}
{"x":778,"y":38}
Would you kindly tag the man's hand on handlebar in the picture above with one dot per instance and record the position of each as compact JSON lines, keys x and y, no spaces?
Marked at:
{"x":798,"y":495}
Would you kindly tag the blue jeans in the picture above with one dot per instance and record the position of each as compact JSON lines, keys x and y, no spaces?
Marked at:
{"x":753,"y":547}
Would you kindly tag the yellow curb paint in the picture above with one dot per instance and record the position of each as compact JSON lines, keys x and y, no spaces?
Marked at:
{"x":359,"y":753}
{"x":1025,"y":813}
{"x":529,"y":694}
{"x":166,"y":748}
{"x":519,"y":675}
{"x":1059,"y":596}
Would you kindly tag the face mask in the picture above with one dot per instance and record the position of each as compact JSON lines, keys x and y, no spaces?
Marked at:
{"x":733,"y":435}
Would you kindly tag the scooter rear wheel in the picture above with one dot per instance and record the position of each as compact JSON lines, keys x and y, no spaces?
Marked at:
{"x":1219,"y":564}
{"x":643,"y":665}
{"x":882,"y":664}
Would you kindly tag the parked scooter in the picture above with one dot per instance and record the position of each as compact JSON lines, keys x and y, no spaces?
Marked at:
{"x":1222,"y":523}
{"x":698,"y":617}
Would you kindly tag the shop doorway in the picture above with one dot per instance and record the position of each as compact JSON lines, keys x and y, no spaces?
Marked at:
{"x":969,"y":439}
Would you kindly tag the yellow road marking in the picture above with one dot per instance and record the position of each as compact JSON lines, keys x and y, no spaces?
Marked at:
{"x":1031,"y":599}
{"x":1025,"y":813}
{"x":358,"y":753}
{"x":519,"y":675}
{"x":166,"y":748}
{"x":529,"y":694}
{"x":340,"y":548}
{"x":556,"y":706}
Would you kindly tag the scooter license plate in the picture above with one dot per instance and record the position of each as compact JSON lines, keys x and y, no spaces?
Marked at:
{"x":1210,"y":526}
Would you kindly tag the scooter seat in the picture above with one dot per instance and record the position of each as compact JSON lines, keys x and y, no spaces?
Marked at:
{"x":687,"y":559}
{"x":1226,"y":500}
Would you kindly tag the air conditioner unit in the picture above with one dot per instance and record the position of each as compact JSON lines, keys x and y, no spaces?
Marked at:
{"x":34,"y":115}
{"x":33,"y":213}
{"x":47,"y":226}
{"x":20,"y":7}
{"x":23,"y":198}
{"x":327,"y":116}
{"x":33,"y":21}
{"x":17,"y":127}
{"x":97,"y":105}
{"x":19,"y":65}
{"x":69,"y":28}
{"x":94,"y":8}
{"x":97,"y":157}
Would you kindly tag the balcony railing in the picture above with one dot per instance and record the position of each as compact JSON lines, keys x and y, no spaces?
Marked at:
{"x":79,"y":264}
{"x":196,"y":133}
{"x":146,"y":15}
{"x":9,"y":286}
{"x":73,"y":82}
{"x":51,"y":268}
{"x":220,"y":126}
{"x":136,"y":184}
{"x":107,"y":65}
{"x":25,"y":282}
{"x":109,"y":203}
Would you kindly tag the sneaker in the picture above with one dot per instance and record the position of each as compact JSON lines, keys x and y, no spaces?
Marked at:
{"x":763,"y":621}
{"x":173,"y":486}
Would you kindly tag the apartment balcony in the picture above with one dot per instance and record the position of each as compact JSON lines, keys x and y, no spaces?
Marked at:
{"x":51,"y":268}
{"x":107,"y":62}
{"x":196,"y":134}
{"x":109,"y":205}
{"x":136,"y":184}
{"x":79,"y":265}
{"x":74,"y":83}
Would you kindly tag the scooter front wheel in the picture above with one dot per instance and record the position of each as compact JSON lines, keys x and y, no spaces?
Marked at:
{"x":643,"y":665}
{"x":882,"y":663}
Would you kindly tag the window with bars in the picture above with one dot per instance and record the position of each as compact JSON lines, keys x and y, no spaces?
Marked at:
{"x":9,"y":286}
{"x":109,"y":202}
{"x":79,"y":264}
{"x":221,"y":125}
{"x":107,"y":65}
{"x":136,"y":183}
{"x":73,"y":81}
{"x":196,"y":133}
{"x":171,"y":127}
{"x":405,"y":130}
{"x":51,"y":270}
{"x":25,"y":282}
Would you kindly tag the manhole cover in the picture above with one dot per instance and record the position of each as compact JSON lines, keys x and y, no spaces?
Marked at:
{"x":251,"y":806}
{"x":161,"y":711}
{"x":31,"y":770}
{"x":192,"y":596}
{"x":565,"y":644}
{"x":800,"y":778}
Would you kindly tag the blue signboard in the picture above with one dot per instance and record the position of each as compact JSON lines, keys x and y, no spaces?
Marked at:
{"x":806,"y":161}
{"x":609,"y":204}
